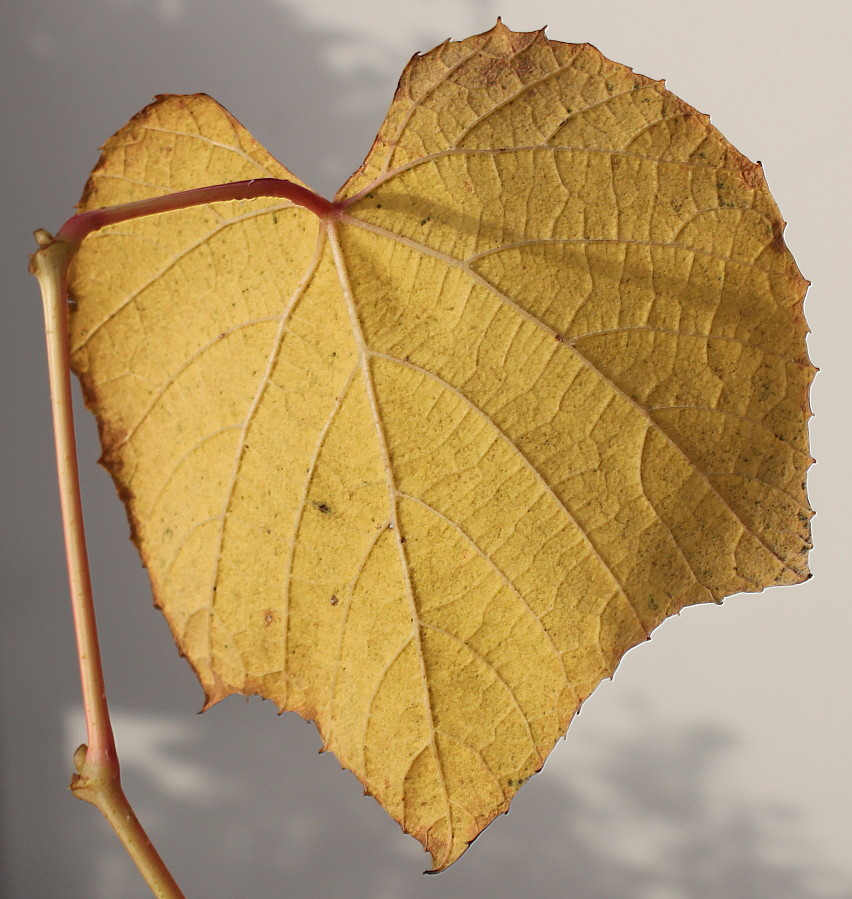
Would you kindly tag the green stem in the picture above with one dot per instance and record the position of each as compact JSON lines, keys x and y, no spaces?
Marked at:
{"x":98,"y":779}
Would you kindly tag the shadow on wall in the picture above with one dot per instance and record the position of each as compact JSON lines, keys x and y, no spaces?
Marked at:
{"x":645,"y":820}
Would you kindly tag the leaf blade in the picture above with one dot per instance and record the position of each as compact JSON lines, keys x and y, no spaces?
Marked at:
{"x":539,"y":383}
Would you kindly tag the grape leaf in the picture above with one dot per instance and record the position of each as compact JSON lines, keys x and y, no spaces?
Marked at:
{"x":424,"y":469}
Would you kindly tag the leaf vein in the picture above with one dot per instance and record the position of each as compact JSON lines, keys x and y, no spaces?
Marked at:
{"x":391,"y":487}
{"x":744,"y":418}
{"x":344,"y":620}
{"x":272,"y":356}
{"x":180,"y":461}
{"x":172,"y":378}
{"x":375,"y":695}
{"x":495,"y":674}
{"x":675,"y":333}
{"x":297,"y":523}
{"x":528,"y":465}
{"x":477,"y":752}
{"x":417,"y":104}
{"x":503,"y":576}
{"x":238,"y":151}
{"x":173,"y":262}
{"x":525,"y":148}
{"x":524,"y":88}
{"x":616,"y":241}
{"x":512,"y":304}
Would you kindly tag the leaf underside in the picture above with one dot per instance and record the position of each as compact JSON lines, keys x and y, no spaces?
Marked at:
{"x":424,"y":473}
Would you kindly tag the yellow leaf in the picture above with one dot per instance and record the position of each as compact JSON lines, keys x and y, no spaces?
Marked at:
{"x":423,"y":470}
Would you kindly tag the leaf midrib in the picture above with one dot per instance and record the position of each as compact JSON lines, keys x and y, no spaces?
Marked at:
{"x":363,"y":359}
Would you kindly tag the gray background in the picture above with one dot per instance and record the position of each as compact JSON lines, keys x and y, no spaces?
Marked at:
{"x":717,"y":762}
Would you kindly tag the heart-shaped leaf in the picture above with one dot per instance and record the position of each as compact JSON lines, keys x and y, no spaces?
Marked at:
{"x":425,"y":468}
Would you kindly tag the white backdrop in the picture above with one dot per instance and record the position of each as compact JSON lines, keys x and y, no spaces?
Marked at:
{"x":716,"y":764}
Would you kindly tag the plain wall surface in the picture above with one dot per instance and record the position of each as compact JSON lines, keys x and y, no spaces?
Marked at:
{"x":716,"y":764}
